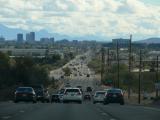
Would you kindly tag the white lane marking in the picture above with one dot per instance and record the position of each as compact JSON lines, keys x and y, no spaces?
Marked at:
{"x":21,"y":111}
{"x":103,"y":113}
{"x":6,"y":117}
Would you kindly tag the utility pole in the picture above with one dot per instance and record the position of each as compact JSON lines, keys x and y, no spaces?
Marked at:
{"x":108,"y":60}
{"x":139,"y":81}
{"x":118,"y":64}
{"x":130,"y":52}
{"x":102,"y":64}
{"x":157,"y":65}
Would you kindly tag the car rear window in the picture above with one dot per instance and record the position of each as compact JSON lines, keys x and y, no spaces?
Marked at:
{"x":72,"y":90}
{"x":24,"y":89}
{"x":114,"y":91}
{"x":100,"y":93}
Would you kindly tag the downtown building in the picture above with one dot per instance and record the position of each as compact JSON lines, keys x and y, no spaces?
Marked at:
{"x":30,"y":37}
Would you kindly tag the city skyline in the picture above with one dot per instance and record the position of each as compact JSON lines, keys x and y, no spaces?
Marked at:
{"x":95,"y":19}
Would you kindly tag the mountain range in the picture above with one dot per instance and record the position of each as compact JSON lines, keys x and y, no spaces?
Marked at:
{"x":150,"y":41}
{"x":11,"y":34}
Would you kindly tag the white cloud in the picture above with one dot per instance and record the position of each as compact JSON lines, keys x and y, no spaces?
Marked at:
{"x":83,"y":17}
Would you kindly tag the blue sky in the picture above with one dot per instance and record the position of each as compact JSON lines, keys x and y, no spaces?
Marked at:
{"x":87,"y":19}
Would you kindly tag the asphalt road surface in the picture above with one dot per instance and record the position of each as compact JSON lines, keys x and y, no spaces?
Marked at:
{"x":73,"y":111}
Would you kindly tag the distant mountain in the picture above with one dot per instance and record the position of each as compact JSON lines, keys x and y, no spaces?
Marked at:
{"x":149,"y":41}
{"x":11,"y":33}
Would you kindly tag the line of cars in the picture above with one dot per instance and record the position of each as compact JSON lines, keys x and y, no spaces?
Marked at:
{"x":112,"y":95}
{"x":36,"y":93}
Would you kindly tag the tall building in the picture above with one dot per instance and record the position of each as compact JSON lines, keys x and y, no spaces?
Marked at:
{"x":120,"y":41}
{"x":32,"y":36}
{"x":27,"y":37}
{"x":19,"y":37}
{"x":2,"y":39}
{"x":52,"y":39}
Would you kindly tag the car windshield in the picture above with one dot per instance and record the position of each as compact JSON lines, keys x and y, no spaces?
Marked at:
{"x":100,"y":93}
{"x":114,"y":91}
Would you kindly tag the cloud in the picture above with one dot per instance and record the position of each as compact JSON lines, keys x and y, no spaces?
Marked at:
{"x":108,"y":18}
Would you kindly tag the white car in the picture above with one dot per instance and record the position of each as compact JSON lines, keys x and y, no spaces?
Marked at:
{"x":72,"y":95}
{"x":99,"y":97}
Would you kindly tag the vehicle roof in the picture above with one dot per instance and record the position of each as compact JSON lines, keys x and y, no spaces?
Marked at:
{"x":72,"y":88}
{"x":100,"y":91}
{"x":25,"y":87}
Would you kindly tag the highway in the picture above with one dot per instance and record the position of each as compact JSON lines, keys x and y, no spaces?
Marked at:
{"x":73,"y":111}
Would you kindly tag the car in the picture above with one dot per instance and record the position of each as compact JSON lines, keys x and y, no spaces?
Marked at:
{"x":25,"y":94}
{"x":114,"y":95}
{"x":88,"y":89}
{"x":46,"y":96}
{"x":72,"y":95}
{"x":99,"y":97}
{"x":61,"y":93}
{"x":55,"y":98}
{"x":40,"y":92}
{"x":87,"y":96}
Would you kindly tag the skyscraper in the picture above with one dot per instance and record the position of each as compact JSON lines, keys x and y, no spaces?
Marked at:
{"x":27,"y":37}
{"x":32,"y":36}
{"x":20,"y":37}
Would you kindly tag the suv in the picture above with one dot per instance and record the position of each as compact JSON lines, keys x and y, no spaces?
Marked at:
{"x":72,"y":95}
{"x":114,"y":96}
{"x":25,"y":94}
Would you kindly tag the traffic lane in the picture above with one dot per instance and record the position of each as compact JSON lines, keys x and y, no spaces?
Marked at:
{"x":71,"y":111}
{"x":130,"y":112}
{"x":10,"y":109}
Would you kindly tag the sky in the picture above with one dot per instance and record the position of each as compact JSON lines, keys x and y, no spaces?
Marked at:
{"x":100,"y":19}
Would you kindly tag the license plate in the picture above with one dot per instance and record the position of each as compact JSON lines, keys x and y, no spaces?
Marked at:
{"x":114,"y":95}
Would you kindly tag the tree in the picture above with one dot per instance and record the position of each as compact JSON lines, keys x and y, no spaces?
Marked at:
{"x":67,"y":71}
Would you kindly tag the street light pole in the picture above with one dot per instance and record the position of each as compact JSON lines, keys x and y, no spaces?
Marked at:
{"x":129,"y":80}
{"x":157,"y":75}
{"x":118,"y":64}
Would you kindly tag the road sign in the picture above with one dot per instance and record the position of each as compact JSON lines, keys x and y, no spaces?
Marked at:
{"x":157,"y":86}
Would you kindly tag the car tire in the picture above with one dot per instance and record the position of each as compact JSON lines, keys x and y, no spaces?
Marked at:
{"x":105,"y":103}
{"x":80,"y":102}
{"x":15,"y":101}
{"x":121,"y":103}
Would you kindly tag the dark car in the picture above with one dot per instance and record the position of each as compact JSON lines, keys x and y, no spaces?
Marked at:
{"x":25,"y":94}
{"x":40,"y":92}
{"x":47,"y":96}
{"x":114,"y":96}
{"x":55,"y":98}
{"x":87,"y":96}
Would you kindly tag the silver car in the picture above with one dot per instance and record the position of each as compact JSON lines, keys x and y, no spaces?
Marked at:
{"x":72,"y":95}
{"x":99,"y":97}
